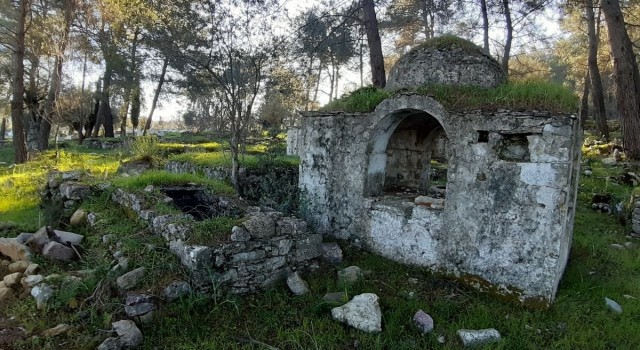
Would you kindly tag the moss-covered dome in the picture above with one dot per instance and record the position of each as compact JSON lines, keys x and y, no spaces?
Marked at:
{"x":447,"y":60}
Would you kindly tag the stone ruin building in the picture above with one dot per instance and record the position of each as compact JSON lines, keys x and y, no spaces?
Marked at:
{"x":485,"y":196}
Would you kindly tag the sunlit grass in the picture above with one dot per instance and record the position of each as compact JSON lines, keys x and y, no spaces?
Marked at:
{"x":223,"y":159}
{"x":163,"y":178}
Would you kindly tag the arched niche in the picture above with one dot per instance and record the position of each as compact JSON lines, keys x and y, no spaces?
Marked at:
{"x":408,"y":155}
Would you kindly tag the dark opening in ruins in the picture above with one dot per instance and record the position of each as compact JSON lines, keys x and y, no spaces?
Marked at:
{"x":409,"y":156}
{"x":514,"y":147}
{"x":198,"y":202}
{"x":483,"y":136}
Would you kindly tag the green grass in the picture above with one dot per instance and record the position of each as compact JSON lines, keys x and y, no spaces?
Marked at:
{"x":528,"y":96}
{"x":213,"y":231}
{"x":449,"y":41}
{"x":359,"y":101}
{"x":223,"y":159}
{"x":163,"y":178}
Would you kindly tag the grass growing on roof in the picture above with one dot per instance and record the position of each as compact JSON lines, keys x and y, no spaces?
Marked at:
{"x":213,"y":231}
{"x":533,"y":95}
{"x":449,"y":41}
{"x":163,"y":178}
{"x":362,"y":100}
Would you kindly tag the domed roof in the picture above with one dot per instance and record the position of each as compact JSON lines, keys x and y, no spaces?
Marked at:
{"x":447,"y":60}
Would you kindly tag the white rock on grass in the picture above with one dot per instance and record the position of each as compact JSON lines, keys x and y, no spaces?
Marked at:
{"x":475,"y":337}
{"x":614,"y":306}
{"x":111,"y":343}
{"x":128,"y":332}
{"x":42,"y":293}
{"x":362,"y":312}
{"x":297,"y":285}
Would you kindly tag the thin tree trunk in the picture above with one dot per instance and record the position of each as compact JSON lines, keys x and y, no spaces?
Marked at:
{"x":17,"y":113}
{"x":147,"y":125}
{"x":425,"y":18}
{"x":508,"y":36}
{"x":584,"y":101}
{"x":485,"y":26}
{"x":3,"y":129}
{"x":627,"y":77}
{"x":133,"y":71}
{"x":376,"y":60}
{"x":597,"y":93}
{"x":33,"y":105}
{"x":56,"y":79}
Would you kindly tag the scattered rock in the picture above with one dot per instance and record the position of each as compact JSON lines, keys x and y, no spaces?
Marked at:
{"x":350,"y":274}
{"x":617,"y":246}
{"x":362,"y":312}
{"x":423,"y":321}
{"x":177,"y":290}
{"x":42,"y":293}
{"x":69,"y":237}
{"x":140,"y":306}
{"x":238,"y":234}
{"x":32,"y":281}
{"x":297,"y":285}
{"x":78,"y":218}
{"x":472,"y":337}
{"x":337,"y":297}
{"x":58,"y":252}
{"x":18,"y":266}
{"x":111,"y":343}
{"x":92,"y":219}
{"x":57,"y":330}
{"x":23,"y":237}
{"x":331,"y":253}
{"x":613,"y":306}
{"x":14,"y":250}
{"x":128,"y":332}
{"x":39,"y":240}
{"x":130,"y":279}
{"x":13,"y":279}
{"x":6,"y":293}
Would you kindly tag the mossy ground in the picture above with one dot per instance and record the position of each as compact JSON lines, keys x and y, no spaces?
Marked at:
{"x":578,"y":319}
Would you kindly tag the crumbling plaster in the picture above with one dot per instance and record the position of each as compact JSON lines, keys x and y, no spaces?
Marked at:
{"x":508,"y":214}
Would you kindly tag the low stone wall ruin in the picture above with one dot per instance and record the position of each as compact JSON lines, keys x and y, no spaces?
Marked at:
{"x":263,"y":250}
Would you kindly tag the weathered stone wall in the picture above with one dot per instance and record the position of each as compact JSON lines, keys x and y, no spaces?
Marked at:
{"x":266,"y":247}
{"x":510,"y":199}
{"x":293,"y":141}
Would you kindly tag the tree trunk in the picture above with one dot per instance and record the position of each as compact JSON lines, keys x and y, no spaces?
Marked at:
{"x":147,"y":125}
{"x":56,"y":78}
{"x":597,"y":93}
{"x":32,"y":103}
{"x":485,"y":26}
{"x":131,"y":78}
{"x":584,"y":101}
{"x":376,"y":60}
{"x":3,"y":129}
{"x":104,"y":116}
{"x":17,"y":113}
{"x":627,"y":77}
{"x":508,"y":36}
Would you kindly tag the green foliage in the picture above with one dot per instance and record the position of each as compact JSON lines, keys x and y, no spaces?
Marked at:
{"x":222,"y":159}
{"x":145,"y":148}
{"x":213,"y":231}
{"x":362,"y":100}
{"x":276,"y":178}
{"x":521,"y":95}
{"x":163,"y":178}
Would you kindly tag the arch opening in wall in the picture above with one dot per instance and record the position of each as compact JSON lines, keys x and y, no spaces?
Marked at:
{"x":408,"y":156}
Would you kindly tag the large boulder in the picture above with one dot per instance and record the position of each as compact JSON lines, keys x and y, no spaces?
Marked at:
{"x":446,"y":60}
{"x":13,"y":249}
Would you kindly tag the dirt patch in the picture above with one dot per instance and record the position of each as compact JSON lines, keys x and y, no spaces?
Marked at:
{"x":10,"y":333}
